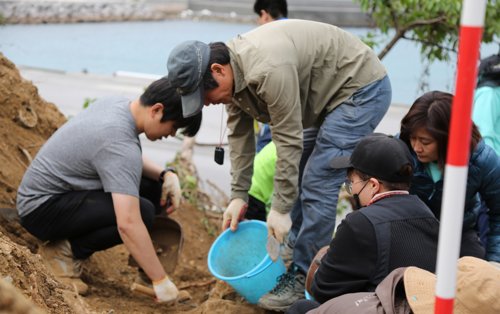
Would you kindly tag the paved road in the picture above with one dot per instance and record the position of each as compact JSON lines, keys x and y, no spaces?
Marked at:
{"x":68,"y":91}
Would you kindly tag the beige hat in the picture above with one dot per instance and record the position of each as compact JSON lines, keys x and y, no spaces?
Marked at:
{"x":478,"y":288}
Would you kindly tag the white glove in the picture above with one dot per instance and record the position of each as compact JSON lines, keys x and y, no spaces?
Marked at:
{"x":165,"y":290}
{"x":171,"y":189}
{"x":234,"y":213}
{"x":278,"y":225}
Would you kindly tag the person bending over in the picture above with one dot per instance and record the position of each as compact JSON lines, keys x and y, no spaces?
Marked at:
{"x":89,"y":188}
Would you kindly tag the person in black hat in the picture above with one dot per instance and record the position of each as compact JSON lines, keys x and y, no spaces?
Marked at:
{"x":390,"y":229}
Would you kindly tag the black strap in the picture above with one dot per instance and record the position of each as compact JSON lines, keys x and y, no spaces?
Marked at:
{"x":162,"y":174}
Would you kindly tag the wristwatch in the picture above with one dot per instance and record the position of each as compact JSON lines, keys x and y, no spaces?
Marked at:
{"x":162,"y":174}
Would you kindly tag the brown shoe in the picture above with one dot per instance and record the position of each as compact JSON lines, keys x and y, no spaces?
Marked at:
{"x":59,"y":258}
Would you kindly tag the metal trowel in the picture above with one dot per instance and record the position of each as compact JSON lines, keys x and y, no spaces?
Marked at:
{"x":273,"y":248}
{"x":167,"y":238}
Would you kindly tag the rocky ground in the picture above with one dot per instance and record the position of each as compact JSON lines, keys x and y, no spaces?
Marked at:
{"x":76,"y":11}
{"x":27,"y":286}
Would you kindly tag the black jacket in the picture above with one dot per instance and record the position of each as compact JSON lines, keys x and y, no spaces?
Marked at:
{"x":396,"y":231}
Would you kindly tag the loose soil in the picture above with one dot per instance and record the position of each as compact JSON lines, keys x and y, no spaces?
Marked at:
{"x":27,"y":286}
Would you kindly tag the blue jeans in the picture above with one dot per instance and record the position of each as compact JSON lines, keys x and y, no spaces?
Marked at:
{"x":340,"y":132}
{"x":309,"y":139}
{"x":263,"y":138}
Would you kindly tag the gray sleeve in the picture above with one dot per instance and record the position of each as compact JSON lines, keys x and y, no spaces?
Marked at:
{"x":119,"y":166}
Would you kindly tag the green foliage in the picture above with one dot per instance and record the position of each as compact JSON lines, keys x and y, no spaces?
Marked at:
{"x":2,"y":19}
{"x":343,"y":208}
{"x":209,"y":228}
{"x":371,"y":39}
{"x":87,"y":102}
{"x":434,"y":24}
{"x":189,"y":187}
{"x":187,"y":179}
{"x":344,"y":204}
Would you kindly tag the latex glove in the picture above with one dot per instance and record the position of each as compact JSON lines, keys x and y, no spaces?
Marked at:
{"x":278,"y":225}
{"x":170,"y":190}
{"x":165,"y":290}
{"x":234,"y":213}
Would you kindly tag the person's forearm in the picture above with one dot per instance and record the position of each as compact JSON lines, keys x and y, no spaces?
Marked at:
{"x":135,"y":236}
{"x":150,"y":169}
{"x":138,"y":242}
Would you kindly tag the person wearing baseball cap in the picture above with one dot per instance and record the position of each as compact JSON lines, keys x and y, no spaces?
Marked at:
{"x":294,"y":75}
{"x":187,"y":65}
{"x":390,"y":229}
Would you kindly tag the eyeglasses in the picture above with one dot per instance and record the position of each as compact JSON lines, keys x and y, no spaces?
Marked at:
{"x":348,"y":185}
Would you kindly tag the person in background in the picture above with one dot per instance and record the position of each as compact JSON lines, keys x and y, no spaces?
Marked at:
{"x":390,"y":229}
{"x":292,"y":74}
{"x":89,"y":188}
{"x":261,"y":190}
{"x":268,"y":11}
{"x":486,"y":113}
{"x":425,"y":130}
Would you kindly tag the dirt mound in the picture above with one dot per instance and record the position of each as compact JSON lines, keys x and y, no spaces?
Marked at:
{"x":26,"y":121}
{"x":27,"y":286}
{"x":24,"y":270}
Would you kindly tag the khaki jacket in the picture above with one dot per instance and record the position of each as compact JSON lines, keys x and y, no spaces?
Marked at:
{"x":290,"y":74}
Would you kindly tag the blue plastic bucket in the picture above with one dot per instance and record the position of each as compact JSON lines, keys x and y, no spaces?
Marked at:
{"x":240,"y":259}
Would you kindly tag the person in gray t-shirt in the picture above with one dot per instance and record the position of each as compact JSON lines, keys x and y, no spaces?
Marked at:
{"x":89,"y":187}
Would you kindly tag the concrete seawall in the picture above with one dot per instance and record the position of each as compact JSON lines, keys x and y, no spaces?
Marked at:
{"x":338,"y":12}
{"x":75,"y":11}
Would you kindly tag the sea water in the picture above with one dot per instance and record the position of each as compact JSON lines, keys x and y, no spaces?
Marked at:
{"x":143,"y":47}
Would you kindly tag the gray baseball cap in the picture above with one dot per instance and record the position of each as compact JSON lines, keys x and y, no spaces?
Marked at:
{"x":186,"y":66}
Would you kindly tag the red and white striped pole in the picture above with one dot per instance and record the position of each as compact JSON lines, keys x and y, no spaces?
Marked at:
{"x":450,"y":232}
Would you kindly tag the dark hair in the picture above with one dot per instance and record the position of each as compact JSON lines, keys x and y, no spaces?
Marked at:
{"x":162,"y":91}
{"x":405,"y":171}
{"x":489,"y":71}
{"x":276,"y":8}
{"x":219,"y":53}
{"x":432,"y":111}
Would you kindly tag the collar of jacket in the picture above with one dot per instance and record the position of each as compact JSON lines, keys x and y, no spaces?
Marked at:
{"x":379,"y":196}
{"x":238,"y":76}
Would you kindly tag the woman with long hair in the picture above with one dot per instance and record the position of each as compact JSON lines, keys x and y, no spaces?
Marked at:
{"x":425,"y":130}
